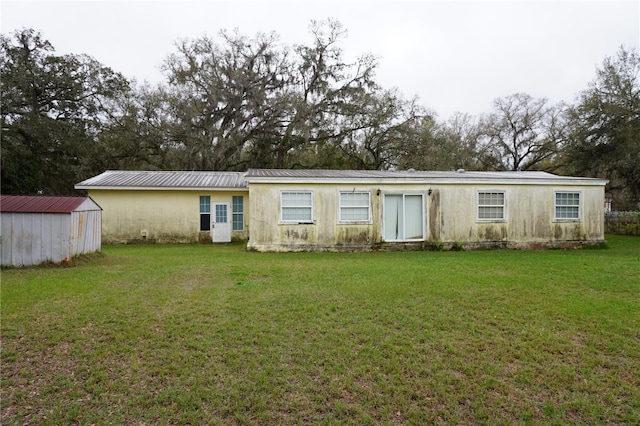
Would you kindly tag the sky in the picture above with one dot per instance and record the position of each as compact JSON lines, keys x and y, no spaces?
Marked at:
{"x":455,"y":56}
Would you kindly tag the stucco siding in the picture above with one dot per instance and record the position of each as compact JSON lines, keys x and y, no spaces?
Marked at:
{"x":269,"y":233}
{"x":529,"y":216}
{"x":593,"y":213}
{"x":161,"y":216}
{"x":450,"y":216}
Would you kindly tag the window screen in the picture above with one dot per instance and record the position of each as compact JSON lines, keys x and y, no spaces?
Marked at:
{"x":296,"y":206}
{"x":491,"y":205}
{"x":354,"y":207}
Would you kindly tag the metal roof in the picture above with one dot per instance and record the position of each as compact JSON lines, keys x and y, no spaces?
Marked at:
{"x":412,"y":175}
{"x":197,"y":180}
{"x":354,"y":174}
{"x":126,"y":179}
{"x":45,"y":204}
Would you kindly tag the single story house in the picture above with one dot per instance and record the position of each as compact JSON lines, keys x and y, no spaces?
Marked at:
{"x":170,"y":206}
{"x":352,"y":209}
{"x":38,"y":229}
{"x":295,"y":210}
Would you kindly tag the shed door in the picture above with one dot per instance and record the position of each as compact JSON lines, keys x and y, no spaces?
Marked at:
{"x":220,"y":223}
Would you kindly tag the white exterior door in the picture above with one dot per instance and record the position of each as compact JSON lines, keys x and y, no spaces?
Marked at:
{"x":221,"y":223}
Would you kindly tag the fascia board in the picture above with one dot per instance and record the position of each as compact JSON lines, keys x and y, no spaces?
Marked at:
{"x":160,"y":188}
{"x":431,"y":181}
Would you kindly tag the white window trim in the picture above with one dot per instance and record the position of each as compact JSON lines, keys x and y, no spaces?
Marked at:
{"x":237,"y":213}
{"x":298,"y":222}
{"x":201,"y":213}
{"x":356,"y":221}
{"x":504,"y":205}
{"x":568,"y":219}
{"x":424,"y":217}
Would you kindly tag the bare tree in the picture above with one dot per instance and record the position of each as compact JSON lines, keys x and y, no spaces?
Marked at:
{"x":385,"y":132}
{"x":521,"y":133}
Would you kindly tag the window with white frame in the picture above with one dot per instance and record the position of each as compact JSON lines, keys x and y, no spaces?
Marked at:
{"x":567,"y":205}
{"x":491,"y":205}
{"x":355,"y":207}
{"x":237,"y":209}
{"x":296,"y":206}
{"x":205,"y":213}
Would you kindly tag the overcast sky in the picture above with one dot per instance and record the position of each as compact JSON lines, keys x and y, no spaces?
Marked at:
{"x":454,"y":55}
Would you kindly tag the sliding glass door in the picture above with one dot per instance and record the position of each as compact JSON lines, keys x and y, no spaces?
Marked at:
{"x":403,"y":217}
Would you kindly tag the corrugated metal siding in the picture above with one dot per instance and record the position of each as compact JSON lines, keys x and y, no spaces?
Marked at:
{"x":88,"y":205}
{"x":86,"y":232}
{"x":34,"y":238}
{"x":165,"y":179}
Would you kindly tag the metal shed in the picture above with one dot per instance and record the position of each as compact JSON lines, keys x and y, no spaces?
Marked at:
{"x":37,"y":229}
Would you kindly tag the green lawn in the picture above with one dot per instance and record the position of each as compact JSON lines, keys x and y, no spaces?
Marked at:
{"x":202,"y":334}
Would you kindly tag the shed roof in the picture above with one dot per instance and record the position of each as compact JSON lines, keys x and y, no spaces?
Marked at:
{"x":459,"y":176}
{"x":45,"y":204}
{"x":130,"y":179}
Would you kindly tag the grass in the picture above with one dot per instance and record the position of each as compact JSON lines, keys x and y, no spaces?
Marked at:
{"x":202,"y":334}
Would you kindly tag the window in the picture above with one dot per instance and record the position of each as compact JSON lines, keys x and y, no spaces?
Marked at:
{"x":221,"y":213}
{"x":491,"y":205}
{"x":237,"y":209}
{"x":205,"y":213}
{"x":354,"y":207}
{"x":403,"y":217}
{"x":296,"y":206}
{"x":567,"y":205}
